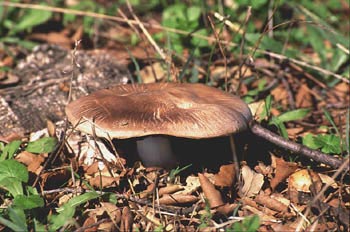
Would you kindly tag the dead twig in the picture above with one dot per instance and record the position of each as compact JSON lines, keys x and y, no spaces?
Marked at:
{"x":295,"y":147}
{"x":148,"y":36}
{"x":221,"y":51}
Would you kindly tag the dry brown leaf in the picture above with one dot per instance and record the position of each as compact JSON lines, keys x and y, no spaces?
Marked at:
{"x":152,"y":73}
{"x":303,"y":98}
{"x":210,"y":192}
{"x":113,"y":211}
{"x":172,"y":188}
{"x":148,"y":191}
{"x":152,"y":218}
{"x":319,"y":226}
{"x":280,"y":95}
{"x":177,"y":199}
{"x":257,"y":108}
{"x":328,"y":180}
{"x":280,"y":227}
{"x":283,"y":170}
{"x":127,"y":220}
{"x":32,"y":161}
{"x":59,"y":38}
{"x":271,"y":203}
{"x":103,"y":181}
{"x":262,"y":215}
{"x":227,"y":208}
{"x":279,"y":197}
{"x":263,"y":169}
{"x":192,"y":184}
{"x":251,"y":182}
{"x":293,"y":133}
{"x":302,"y":181}
{"x":226,"y":176}
{"x":300,"y":184}
{"x":91,"y":169}
{"x":89,"y":221}
{"x":107,"y":226}
{"x":65,"y":198}
{"x":250,"y":202}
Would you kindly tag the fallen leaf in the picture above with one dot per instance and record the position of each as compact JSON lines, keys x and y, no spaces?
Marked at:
{"x":113,"y":211}
{"x":328,"y":180}
{"x":32,"y":161}
{"x":303,"y":98}
{"x":152,"y":73}
{"x":226,"y":176}
{"x":103,"y":181}
{"x":300,"y":184}
{"x":280,"y":95}
{"x":263,"y":169}
{"x":257,"y":108}
{"x":251,"y":182}
{"x":127,"y":219}
{"x":262,"y":215}
{"x":302,"y":181}
{"x":192,"y":185}
{"x":210,"y":192}
{"x":271,"y":203}
{"x":177,"y":199}
{"x":283,"y":170}
{"x":169,"y":189}
{"x":89,"y":221}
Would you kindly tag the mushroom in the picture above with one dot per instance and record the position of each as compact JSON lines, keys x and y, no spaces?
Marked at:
{"x":153,"y":112}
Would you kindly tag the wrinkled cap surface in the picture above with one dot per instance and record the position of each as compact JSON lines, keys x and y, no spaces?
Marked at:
{"x":181,"y":110}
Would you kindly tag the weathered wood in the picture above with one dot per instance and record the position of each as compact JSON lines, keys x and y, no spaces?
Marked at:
{"x":42,"y":92}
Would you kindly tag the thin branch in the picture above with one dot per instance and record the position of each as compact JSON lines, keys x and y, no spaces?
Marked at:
{"x":295,"y":147}
{"x":144,"y":30}
{"x":221,"y":50}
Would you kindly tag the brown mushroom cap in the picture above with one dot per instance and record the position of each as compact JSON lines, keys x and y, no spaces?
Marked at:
{"x":181,"y":110}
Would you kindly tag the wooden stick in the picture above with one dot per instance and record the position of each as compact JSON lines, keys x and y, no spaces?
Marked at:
{"x":295,"y":147}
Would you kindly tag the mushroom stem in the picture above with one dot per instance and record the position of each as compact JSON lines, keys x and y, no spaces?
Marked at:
{"x":156,"y":151}
{"x":295,"y":147}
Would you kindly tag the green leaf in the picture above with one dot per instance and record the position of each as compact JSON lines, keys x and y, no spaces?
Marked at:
{"x":281,"y":127}
{"x":293,"y":115}
{"x":174,"y":172}
{"x":199,"y":42}
{"x":249,"y":224}
{"x":10,"y":149}
{"x":12,"y":185}
{"x":329,"y":143}
{"x":193,"y":13}
{"x":309,"y":141}
{"x":28,"y":202}
{"x":330,"y":119}
{"x":267,"y":108}
{"x":38,"y":226}
{"x":43,"y":145}
{"x":66,"y":212}
{"x":12,"y":174}
{"x":30,"y":19}
{"x":13,"y":169}
{"x":12,"y":225}
{"x":18,"y":217}
{"x":252,"y":223}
